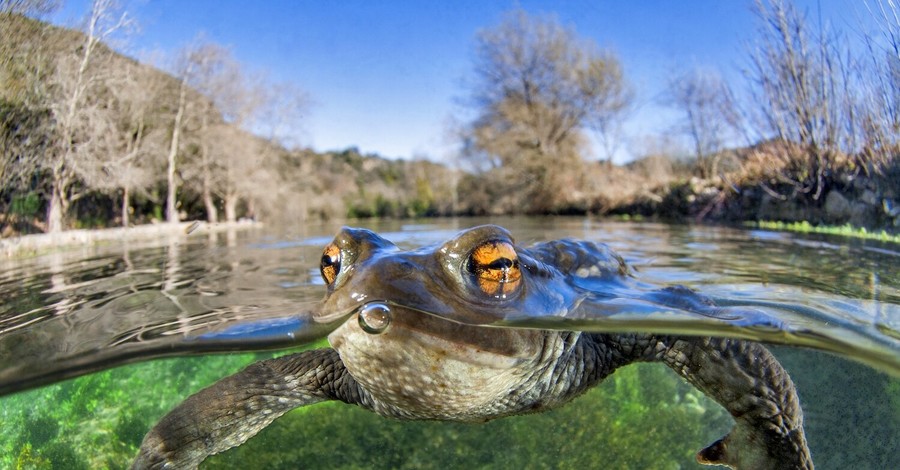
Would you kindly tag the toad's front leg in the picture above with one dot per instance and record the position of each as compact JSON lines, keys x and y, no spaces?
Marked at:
{"x":235,"y":408}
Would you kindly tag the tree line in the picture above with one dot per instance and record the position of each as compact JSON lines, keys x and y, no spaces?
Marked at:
{"x":89,"y":136}
{"x":831,"y":105}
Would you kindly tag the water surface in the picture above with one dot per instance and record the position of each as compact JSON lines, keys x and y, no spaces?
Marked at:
{"x":77,"y":312}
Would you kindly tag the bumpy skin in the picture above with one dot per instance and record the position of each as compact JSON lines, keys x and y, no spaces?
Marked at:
{"x":424,"y":367}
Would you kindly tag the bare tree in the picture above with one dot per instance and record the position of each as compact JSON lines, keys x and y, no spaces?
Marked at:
{"x":80,"y":122}
{"x":220,"y":103}
{"x":198,"y":66}
{"x":282,"y":113}
{"x":201,"y":64}
{"x":879,"y":107}
{"x":123,"y":160}
{"x":537,"y":89}
{"x":174,"y":146}
{"x":222,"y":100}
{"x":797,"y":83}
{"x":278,"y":121}
{"x":245,"y":171}
{"x":244,"y":160}
{"x":709,"y":114}
{"x":229,"y":161}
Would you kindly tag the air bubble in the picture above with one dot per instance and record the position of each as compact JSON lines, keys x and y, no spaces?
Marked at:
{"x":375,"y":318}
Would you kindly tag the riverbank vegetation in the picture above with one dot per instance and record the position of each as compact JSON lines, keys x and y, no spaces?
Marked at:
{"x":91,"y":138}
{"x":843,"y":230}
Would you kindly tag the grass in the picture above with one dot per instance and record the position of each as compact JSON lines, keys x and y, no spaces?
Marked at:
{"x":846,"y":230}
{"x":629,"y":217}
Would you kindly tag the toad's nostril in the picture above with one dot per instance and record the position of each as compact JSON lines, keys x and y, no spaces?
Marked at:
{"x":375,"y":317}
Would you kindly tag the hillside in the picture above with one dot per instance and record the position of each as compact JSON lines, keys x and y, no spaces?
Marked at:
{"x":93,"y":136}
{"x":260,"y":179}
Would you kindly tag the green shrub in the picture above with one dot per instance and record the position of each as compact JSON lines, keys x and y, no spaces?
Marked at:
{"x":25,"y":205}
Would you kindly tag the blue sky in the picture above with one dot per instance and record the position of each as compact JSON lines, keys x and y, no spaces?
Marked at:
{"x":388,"y":76}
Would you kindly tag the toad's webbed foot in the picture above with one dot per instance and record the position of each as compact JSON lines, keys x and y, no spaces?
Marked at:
{"x":235,"y":408}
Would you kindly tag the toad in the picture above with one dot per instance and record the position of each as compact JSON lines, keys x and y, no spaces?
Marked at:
{"x":416,"y":345}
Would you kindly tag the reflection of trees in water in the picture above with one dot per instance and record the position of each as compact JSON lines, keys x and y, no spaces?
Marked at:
{"x":170,"y":281}
{"x":136,"y":298}
{"x":728,"y":256}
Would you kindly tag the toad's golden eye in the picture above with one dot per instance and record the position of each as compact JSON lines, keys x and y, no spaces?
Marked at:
{"x":331,"y":263}
{"x":495,"y":266}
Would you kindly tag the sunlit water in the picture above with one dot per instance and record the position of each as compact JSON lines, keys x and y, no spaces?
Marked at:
{"x":77,"y":312}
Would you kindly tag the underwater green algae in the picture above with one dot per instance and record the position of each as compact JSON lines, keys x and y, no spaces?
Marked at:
{"x":98,"y":421}
{"x":642,"y":416}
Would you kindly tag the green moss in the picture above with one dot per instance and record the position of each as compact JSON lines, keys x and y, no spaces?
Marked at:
{"x":843,"y":230}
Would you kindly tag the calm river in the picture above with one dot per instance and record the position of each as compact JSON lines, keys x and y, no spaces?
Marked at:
{"x":96,"y":344}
